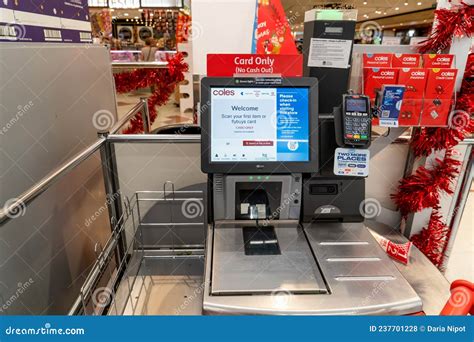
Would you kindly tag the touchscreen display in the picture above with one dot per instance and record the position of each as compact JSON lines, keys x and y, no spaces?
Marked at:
{"x":259,"y":124}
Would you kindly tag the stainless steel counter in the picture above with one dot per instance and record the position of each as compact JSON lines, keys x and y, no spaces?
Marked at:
{"x":293,"y":270}
{"x":360,"y":277}
{"x":427,"y":281}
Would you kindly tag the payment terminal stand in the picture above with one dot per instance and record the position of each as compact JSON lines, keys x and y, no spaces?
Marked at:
{"x":273,"y":247}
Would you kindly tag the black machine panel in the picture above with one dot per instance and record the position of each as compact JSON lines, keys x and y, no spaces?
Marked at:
{"x":333,"y":198}
{"x":333,"y":82}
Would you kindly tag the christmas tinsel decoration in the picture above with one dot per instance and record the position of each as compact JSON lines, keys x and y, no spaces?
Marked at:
{"x":164,"y":80}
{"x":423,"y":189}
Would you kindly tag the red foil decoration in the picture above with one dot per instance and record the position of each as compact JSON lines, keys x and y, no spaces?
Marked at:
{"x":432,"y":239}
{"x":422,"y":189}
{"x":164,"y":80}
{"x":454,"y":22}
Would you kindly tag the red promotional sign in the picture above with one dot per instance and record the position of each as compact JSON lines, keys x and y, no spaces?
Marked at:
{"x":273,"y":34}
{"x":232,"y":64}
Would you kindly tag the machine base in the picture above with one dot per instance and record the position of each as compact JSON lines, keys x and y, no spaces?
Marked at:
{"x":359,"y":276}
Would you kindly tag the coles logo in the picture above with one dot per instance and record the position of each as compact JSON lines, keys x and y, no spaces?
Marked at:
{"x":417,"y":73}
{"x":387,"y":73}
{"x":409,"y":59}
{"x":447,"y":74}
{"x":381,"y":58}
{"x":223,"y":92}
{"x":443,"y":59}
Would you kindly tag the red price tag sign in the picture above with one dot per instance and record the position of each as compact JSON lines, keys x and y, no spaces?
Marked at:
{"x":228,"y":65}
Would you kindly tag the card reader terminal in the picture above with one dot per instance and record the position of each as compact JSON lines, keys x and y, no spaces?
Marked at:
{"x":356,"y":120}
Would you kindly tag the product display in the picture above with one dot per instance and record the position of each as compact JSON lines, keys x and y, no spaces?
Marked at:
{"x":437,"y":61}
{"x":414,"y":80}
{"x":372,"y":60}
{"x":390,"y":102}
{"x":428,"y":88}
{"x":438,"y":97}
{"x":406,"y":60}
{"x":376,"y":78}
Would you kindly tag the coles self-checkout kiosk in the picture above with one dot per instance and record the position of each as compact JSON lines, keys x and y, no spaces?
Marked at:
{"x":285,"y":231}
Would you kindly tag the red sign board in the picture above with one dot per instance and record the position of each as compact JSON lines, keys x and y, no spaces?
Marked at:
{"x":232,"y":64}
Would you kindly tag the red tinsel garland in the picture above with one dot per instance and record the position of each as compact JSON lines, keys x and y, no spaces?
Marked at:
{"x":454,"y":22}
{"x":432,"y":239}
{"x":164,"y":81}
{"x":422,"y":189}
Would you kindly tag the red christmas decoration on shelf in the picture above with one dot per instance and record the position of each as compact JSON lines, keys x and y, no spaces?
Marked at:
{"x":164,"y":80}
{"x":454,"y":22}
{"x":422,"y":189}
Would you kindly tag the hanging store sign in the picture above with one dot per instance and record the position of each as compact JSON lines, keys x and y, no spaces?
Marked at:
{"x":63,"y":21}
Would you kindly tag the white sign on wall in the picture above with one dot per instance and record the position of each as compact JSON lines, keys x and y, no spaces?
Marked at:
{"x":391,"y":40}
{"x":220,"y":26}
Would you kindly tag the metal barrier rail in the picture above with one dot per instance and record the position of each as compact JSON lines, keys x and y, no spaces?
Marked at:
{"x":140,"y":106}
{"x":29,"y":195}
{"x":46,"y":182}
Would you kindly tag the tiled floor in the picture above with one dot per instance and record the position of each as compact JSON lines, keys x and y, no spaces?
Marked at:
{"x":167,"y":114}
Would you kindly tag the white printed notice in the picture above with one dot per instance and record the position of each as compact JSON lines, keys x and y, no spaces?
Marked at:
{"x":351,"y":162}
{"x":329,"y":53}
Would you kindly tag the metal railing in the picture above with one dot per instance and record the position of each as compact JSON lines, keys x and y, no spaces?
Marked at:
{"x":54,"y":176}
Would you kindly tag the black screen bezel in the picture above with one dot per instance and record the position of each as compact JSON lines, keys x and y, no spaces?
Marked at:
{"x":241,"y":167}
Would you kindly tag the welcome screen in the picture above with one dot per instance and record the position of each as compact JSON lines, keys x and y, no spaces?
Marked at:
{"x":259,"y":124}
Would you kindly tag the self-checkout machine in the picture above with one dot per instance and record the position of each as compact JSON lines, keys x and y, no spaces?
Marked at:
{"x":285,"y":233}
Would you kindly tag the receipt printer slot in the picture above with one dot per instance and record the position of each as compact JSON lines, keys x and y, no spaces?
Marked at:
{"x":323,"y":189}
